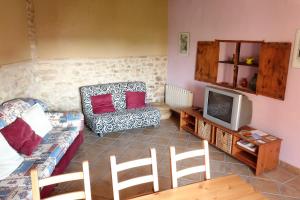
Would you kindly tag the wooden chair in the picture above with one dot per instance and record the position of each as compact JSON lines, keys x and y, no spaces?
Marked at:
{"x":84,"y":175}
{"x":115,"y":168}
{"x":190,"y":154}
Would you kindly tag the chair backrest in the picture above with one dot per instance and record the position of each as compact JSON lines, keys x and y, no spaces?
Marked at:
{"x":117,"y":90}
{"x":84,"y":175}
{"x":115,"y":168}
{"x":190,"y":154}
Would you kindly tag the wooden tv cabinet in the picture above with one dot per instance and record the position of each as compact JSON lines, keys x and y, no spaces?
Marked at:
{"x":264,"y":158}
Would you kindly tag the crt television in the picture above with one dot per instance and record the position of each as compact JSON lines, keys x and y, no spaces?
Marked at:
{"x":227,"y":108}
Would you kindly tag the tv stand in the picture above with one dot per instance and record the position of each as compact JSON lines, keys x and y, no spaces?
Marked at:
{"x":262,"y":157}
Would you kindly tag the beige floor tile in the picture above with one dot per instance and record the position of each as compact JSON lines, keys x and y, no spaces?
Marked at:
{"x":164,"y":183}
{"x":294,"y":183}
{"x":102,"y":189}
{"x":105,"y":141}
{"x":113,"y":135}
{"x":217,"y":166}
{"x":91,"y":139}
{"x":160,"y":140}
{"x":215,"y":174}
{"x":289,"y":191}
{"x":280,"y":174}
{"x":220,"y":156}
{"x":263,"y":185}
{"x":235,"y":168}
{"x":179,"y":143}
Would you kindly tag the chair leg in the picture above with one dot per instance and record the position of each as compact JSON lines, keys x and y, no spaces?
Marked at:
{"x":35,"y":185}
{"x":154,"y":170}
{"x":173,"y":167}
{"x":114,"y":176}
{"x":86,"y":180}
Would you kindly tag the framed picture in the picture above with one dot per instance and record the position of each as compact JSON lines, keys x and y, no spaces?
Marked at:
{"x":296,"y":53}
{"x":184,"y":43}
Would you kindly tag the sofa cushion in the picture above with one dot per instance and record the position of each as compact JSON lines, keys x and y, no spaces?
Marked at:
{"x":9,"y":158}
{"x":6,"y":118}
{"x":37,"y":120}
{"x":21,"y":137}
{"x":124,"y":120}
{"x":33,"y":101}
{"x":15,"y":107}
{"x":135,"y":99}
{"x":10,"y":110}
{"x":102,"y":104}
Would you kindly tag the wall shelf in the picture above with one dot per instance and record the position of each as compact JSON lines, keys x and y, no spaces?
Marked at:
{"x":267,"y":75}
{"x":240,"y":63}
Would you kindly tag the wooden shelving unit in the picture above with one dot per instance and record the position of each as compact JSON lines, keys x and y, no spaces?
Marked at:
{"x":264,"y":158}
{"x":271,"y":65}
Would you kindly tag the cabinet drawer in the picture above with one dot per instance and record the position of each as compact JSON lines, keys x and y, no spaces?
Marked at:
{"x":224,"y":140}
{"x":204,"y":130}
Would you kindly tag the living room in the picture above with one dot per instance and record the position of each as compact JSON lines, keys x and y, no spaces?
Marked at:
{"x":51,"y":49}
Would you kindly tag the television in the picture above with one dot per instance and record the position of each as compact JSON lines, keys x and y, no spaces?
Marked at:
{"x":227,"y":108}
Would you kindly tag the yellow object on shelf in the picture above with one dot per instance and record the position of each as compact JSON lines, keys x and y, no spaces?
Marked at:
{"x":249,"y":60}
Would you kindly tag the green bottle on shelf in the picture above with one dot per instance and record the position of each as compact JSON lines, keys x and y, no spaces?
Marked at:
{"x":252,"y":83}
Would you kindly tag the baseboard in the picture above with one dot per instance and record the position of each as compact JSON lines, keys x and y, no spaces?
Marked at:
{"x":289,"y":167}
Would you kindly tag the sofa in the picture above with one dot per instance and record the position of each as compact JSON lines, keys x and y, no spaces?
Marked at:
{"x":123,"y":118}
{"x":52,"y":155}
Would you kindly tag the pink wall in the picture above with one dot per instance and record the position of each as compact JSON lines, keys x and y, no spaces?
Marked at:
{"x":269,"y":20}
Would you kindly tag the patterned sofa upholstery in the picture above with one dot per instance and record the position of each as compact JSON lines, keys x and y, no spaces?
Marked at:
{"x":67,"y":128}
{"x":122,"y":118}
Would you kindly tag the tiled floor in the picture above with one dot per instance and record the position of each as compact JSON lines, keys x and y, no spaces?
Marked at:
{"x":278,"y":184}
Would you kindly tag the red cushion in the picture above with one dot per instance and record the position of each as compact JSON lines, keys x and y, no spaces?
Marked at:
{"x":135,"y":99}
{"x":21,"y":137}
{"x":102,"y":104}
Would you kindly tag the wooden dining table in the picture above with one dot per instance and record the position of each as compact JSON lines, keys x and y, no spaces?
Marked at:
{"x":230,"y":187}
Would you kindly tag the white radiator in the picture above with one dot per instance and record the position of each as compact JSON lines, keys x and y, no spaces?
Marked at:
{"x":178,"y":98}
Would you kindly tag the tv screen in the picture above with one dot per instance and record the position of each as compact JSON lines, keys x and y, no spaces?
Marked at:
{"x":220,"y":106}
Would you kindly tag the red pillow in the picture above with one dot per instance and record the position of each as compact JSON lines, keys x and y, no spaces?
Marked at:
{"x":21,"y":137}
{"x":135,"y":99}
{"x":102,"y":104}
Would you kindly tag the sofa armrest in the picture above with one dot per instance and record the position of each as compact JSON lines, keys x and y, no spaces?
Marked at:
{"x":66,"y":119}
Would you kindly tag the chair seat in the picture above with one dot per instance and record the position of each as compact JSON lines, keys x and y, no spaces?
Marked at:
{"x":125,"y":119}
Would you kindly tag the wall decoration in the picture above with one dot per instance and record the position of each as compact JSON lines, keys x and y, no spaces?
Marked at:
{"x":296,"y":53}
{"x":184,"y":43}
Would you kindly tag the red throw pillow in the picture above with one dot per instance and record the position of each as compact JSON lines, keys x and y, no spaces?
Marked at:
{"x":102,"y":104}
{"x":21,"y":137}
{"x":135,"y":99}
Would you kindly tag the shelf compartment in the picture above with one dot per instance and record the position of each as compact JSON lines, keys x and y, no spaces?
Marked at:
{"x":189,"y":120}
{"x":224,"y":84}
{"x":188,"y":129}
{"x":245,"y":90}
{"x":247,"y":158}
{"x":250,"y":65}
{"x":244,"y":149}
{"x":240,"y":63}
{"x":226,"y":62}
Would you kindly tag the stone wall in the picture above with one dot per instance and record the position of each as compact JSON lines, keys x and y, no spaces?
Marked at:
{"x":57,"y":82}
